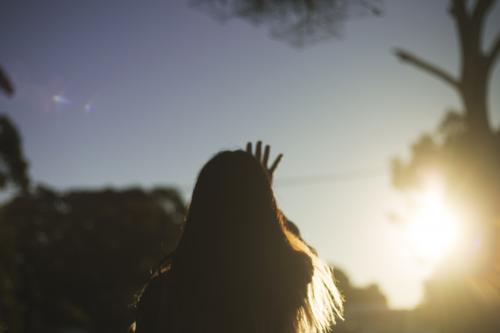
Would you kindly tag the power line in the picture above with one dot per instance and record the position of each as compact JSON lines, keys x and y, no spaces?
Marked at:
{"x":334,"y":177}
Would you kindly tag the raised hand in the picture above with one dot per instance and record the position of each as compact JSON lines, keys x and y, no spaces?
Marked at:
{"x":264,"y":158}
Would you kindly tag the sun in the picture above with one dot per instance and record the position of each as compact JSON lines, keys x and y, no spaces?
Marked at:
{"x":433,"y":228}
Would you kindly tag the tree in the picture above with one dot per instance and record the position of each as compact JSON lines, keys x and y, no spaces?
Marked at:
{"x":472,"y":84}
{"x":366,"y":309}
{"x":5,"y":83}
{"x":463,"y":295}
{"x":466,"y":149}
{"x":80,"y":256}
{"x":13,"y":165}
{"x":298,"y":22}
{"x":13,"y":171}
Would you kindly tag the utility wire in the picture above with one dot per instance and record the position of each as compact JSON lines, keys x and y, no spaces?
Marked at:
{"x":335,"y":177}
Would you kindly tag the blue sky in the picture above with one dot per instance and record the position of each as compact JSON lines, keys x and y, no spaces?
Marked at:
{"x":154,"y":88}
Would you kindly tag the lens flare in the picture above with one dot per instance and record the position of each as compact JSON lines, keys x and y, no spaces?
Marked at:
{"x":433,"y":230}
{"x":60,"y":99}
{"x":88,"y":107}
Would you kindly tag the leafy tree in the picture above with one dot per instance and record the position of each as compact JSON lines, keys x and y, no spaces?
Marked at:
{"x":13,"y":165}
{"x":5,"y":83}
{"x":465,"y":149}
{"x":82,"y":255}
{"x":13,"y":172}
{"x":298,"y":22}
{"x":363,"y":305}
{"x":464,"y":293}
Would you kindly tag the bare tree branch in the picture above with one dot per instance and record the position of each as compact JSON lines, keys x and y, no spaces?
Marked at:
{"x":461,"y":17}
{"x":494,"y":52}
{"x":459,"y":10}
{"x":481,"y":8}
{"x":407,"y":57}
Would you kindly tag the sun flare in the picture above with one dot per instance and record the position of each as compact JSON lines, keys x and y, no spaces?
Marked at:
{"x":433,"y":229}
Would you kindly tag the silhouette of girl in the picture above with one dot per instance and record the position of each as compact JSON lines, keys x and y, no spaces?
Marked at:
{"x":237,"y":267}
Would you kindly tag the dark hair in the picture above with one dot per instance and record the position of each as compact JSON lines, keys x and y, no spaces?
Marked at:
{"x":237,"y":268}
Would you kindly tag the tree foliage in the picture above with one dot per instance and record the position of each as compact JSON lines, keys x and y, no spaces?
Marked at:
{"x":463,"y":295}
{"x":80,"y":256}
{"x":298,"y":22}
{"x":465,"y":288}
{"x":13,"y":165}
{"x":5,"y":83}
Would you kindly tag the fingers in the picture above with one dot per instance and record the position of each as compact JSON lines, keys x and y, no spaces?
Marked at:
{"x":249,"y":147}
{"x":263,"y":158}
{"x":267,"y":150}
{"x":275,"y":163}
{"x":258,"y":150}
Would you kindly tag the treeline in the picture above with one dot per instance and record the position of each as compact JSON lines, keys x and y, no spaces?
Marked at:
{"x":74,"y":260}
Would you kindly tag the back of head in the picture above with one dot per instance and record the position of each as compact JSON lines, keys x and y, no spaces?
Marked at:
{"x":236,"y":268}
{"x":232,"y":208}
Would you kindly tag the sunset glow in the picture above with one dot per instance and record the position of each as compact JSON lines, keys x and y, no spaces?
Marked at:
{"x":434,"y":227}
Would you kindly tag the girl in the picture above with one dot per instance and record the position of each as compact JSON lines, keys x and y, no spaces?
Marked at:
{"x":237,"y":267}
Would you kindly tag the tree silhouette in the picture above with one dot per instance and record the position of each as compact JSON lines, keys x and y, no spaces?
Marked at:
{"x":463,"y":295}
{"x":465,"y":149}
{"x":5,"y":83}
{"x":298,"y":22}
{"x":13,"y":165}
{"x":13,"y":171}
{"x":472,"y":84}
{"x":80,"y":256}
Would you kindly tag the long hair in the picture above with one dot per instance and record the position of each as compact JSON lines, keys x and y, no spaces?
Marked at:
{"x":237,"y":267}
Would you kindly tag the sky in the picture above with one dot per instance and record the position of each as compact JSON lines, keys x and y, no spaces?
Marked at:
{"x":125,"y":93}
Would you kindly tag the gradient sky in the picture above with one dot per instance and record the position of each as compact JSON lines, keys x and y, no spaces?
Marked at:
{"x":152,"y":89}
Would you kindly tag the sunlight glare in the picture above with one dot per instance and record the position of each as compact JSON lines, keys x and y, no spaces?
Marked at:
{"x":433,"y":230}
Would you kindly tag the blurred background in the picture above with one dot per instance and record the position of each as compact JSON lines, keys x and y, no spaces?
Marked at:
{"x":387,"y":113}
